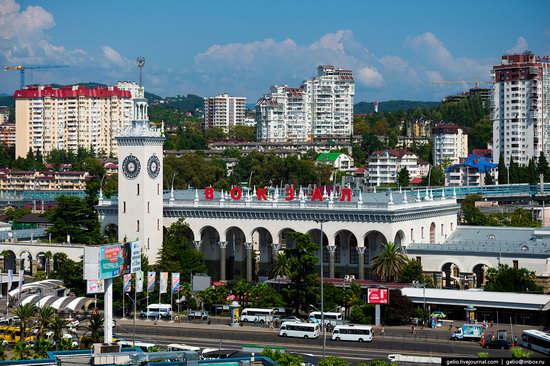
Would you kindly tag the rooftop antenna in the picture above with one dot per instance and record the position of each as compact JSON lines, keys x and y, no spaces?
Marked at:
{"x":140,"y":62}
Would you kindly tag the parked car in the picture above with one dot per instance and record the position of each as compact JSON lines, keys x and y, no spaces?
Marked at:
{"x":157,"y":311}
{"x":498,"y":344}
{"x":291,"y":319}
{"x":197,"y":314}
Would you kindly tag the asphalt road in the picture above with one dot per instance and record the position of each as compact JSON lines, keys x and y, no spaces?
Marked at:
{"x":202,"y":335}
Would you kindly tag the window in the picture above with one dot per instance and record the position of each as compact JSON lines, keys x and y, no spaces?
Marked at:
{"x":138,"y":189}
{"x":412,"y":235}
{"x":137,"y":225}
{"x":158,"y":189}
{"x":158,"y":224}
{"x":148,"y":241}
{"x":419,"y":259}
{"x":515,"y":264}
{"x":422,"y":232}
{"x":148,"y":207}
{"x":442,"y":229}
{"x":124,"y":207}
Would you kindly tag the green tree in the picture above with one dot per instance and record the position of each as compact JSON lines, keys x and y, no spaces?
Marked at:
{"x":283,"y":359}
{"x":403,"y":177}
{"x":3,"y":354}
{"x":542,"y":167}
{"x":213,"y":295}
{"x":26,"y":314}
{"x":488,"y":179}
{"x":389,"y":263}
{"x":21,"y":351}
{"x":281,"y":266}
{"x":506,"y":279}
{"x":14,"y":214}
{"x":70,"y":272}
{"x":58,"y":326}
{"x":178,"y":254}
{"x":264,"y":296}
{"x":242,"y":133}
{"x":333,"y":361}
{"x":74,"y":217}
{"x":412,"y":271}
{"x":94,"y":329}
{"x":518,"y":352}
{"x":436,"y":177}
{"x":41,"y":347}
{"x":371,"y":143}
{"x":399,"y":311}
{"x":472,"y":215}
{"x":303,"y":272}
{"x":44,"y":319}
{"x":502,"y":170}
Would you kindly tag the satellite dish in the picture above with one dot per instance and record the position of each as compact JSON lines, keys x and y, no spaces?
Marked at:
{"x":140,"y":61}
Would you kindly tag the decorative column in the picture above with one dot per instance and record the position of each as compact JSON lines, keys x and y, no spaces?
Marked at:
{"x":331,"y":250}
{"x":361,"y":261}
{"x":197,"y":244}
{"x":248,"y":247}
{"x":223,"y":245}
{"x":275,"y":250}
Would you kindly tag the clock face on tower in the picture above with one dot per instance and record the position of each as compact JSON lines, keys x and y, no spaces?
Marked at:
{"x":131,"y":167}
{"x":153,"y":166}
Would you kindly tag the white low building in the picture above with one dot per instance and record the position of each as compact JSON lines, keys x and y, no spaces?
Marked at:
{"x":384,"y":165}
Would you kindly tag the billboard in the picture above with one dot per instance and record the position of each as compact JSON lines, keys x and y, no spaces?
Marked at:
{"x":95,"y":287}
{"x":109,"y":261}
{"x":378,"y":296}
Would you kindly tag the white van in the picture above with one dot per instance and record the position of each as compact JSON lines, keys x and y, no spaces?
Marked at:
{"x":156,"y":311}
{"x":352,"y":332}
{"x":332,"y":318}
{"x":256,"y":315}
{"x":299,"y":330}
{"x":145,"y":347}
{"x":182,"y":347}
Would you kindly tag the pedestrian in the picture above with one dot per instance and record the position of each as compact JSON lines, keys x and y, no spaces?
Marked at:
{"x":382,"y":330}
{"x":414,"y":331}
{"x":491,"y":324}
{"x":412,"y":328}
{"x":492,"y":337}
{"x":482,"y":340}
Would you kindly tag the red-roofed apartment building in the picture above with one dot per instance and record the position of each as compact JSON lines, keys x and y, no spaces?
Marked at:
{"x":70,"y":117}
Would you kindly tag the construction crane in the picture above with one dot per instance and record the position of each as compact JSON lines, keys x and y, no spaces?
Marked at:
{"x":468,"y":82}
{"x":22,"y":68}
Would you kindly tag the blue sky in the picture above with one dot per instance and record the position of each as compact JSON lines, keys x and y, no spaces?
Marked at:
{"x":395,"y":48}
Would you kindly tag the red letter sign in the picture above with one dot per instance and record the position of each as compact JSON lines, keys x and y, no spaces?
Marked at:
{"x":317,"y":195}
{"x":289,"y":194}
{"x":209,"y":193}
{"x":345,"y":194}
{"x":236,"y":193}
{"x":261,"y":193}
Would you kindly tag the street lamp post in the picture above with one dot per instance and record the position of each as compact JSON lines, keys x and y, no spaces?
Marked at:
{"x":320,"y":221}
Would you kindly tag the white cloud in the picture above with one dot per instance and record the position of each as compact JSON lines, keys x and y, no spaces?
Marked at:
{"x":370,"y":77}
{"x":113,"y":56}
{"x":520,"y":46}
{"x":22,"y":24}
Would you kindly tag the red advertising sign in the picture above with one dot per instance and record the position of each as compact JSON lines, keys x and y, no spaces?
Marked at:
{"x":378,"y":296}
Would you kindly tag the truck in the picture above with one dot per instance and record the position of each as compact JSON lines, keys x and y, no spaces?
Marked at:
{"x":470,"y":332}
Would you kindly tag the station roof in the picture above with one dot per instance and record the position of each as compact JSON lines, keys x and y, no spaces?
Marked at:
{"x":477,"y":298}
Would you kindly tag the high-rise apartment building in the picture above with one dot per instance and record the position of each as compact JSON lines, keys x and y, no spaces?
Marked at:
{"x":70,"y":117}
{"x":521,"y":107}
{"x":224,"y":111}
{"x":449,"y":142}
{"x":321,"y":108}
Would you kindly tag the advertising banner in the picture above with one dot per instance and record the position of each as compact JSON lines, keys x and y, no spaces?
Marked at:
{"x":10,"y":278}
{"x":95,"y":287}
{"x":151,"y":278}
{"x":127,"y":283}
{"x":163,"y":282}
{"x":111,"y":262}
{"x":139,"y":281}
{"x":378,"y":296}
{"x":135,"y":257}
{"x":175,"y":282}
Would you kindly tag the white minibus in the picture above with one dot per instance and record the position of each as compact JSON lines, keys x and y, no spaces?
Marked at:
{"x":145,"y":347}
{"x":332,"y":318}
{"x":352,"y":332}
{"x":255,"y":315}
{"x":157,"y":311}
{"x":536,"y":340}
{"x":182,"y":347}
{"x":299,"y":330}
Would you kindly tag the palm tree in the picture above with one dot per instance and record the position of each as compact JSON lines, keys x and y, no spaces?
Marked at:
{"x":41,"y":347}
{"x":57,"y":327}
{"x":3,"y":255}
{"x":44,"y":319}
{"x":281,"y":266}
{"x":21,"y":351}
{"x":95,"y":327}
{"x":3,"y":354}
{"x":26,"y":314}
{"x":389,"y":263}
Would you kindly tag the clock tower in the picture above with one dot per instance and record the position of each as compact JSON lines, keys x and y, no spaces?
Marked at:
{"x":140,"y":189}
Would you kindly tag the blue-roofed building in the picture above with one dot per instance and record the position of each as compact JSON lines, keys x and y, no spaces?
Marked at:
{"x":471,"y":172}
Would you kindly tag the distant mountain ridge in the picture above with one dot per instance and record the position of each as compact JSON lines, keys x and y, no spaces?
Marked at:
{"x":392,"y":106}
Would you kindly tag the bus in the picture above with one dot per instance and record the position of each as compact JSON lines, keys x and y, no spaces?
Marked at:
{"x":256,"y":315}
{"x":12,"y":334}
{"x":299,"y":330}
{"x":536,"y":340}
{"x":352,"y":332}
{"x":332,"y":318}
